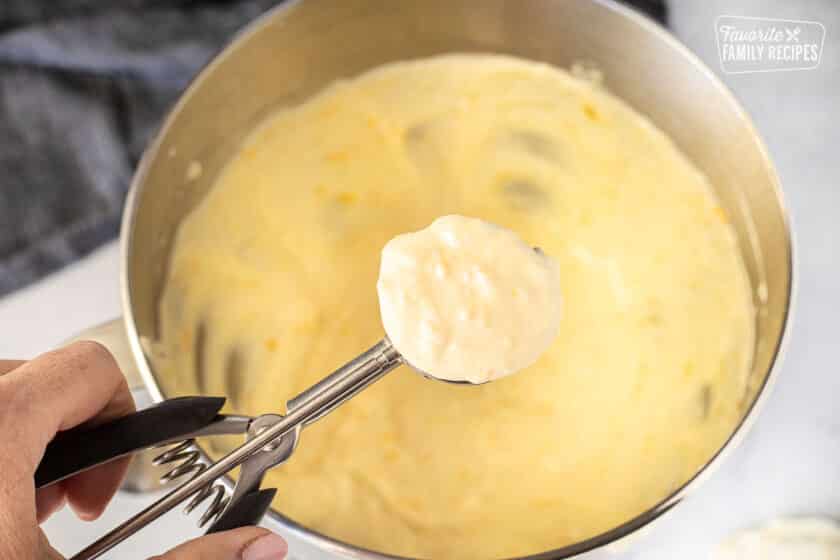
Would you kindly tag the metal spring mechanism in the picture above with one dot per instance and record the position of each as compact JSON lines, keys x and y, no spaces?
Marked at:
{"x":189,"y":463}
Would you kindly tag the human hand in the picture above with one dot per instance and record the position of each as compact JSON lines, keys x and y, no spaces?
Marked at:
{"x":79,"y":384}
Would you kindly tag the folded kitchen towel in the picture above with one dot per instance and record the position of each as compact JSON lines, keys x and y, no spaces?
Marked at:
{"x":83,"y":86}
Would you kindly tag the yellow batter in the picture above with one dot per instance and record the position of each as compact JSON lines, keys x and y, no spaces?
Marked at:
{"x":274,"y":276}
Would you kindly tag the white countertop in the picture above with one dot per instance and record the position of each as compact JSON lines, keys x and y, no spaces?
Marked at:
{"x":789,"y":463}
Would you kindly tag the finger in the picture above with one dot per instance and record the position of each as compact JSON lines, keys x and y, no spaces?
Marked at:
{"x":49,"y":500}
{"x":59,"y":390}
{"x":56,"y":391}
{"x":89,"y":492}
{"x":8,"y":365}
{"x":247,"y":543}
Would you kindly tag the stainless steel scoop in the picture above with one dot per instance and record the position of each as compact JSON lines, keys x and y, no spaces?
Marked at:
{"x":270,"y":441}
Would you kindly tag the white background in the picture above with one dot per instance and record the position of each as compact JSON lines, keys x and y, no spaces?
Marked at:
{"x":790,"y":462}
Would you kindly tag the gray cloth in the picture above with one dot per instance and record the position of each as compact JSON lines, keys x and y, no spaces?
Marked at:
{"x":83,"y":86}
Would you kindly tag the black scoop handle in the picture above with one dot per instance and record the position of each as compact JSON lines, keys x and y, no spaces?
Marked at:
{"x":81,"y":448}
{"x":246,"y":511}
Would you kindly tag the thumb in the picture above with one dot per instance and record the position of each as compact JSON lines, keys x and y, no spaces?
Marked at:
{"x":246,"y":543}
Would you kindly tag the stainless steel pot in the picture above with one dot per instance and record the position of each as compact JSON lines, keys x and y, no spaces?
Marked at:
{"x":304,"y":45}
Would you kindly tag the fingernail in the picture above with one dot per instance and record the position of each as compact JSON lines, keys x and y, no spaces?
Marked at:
{"x":267,"y":547}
